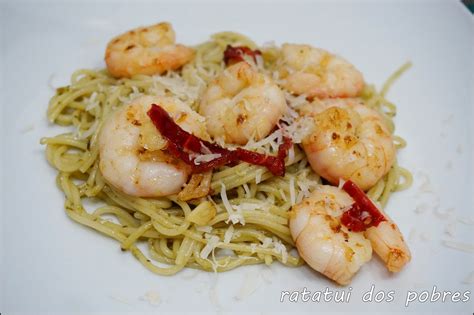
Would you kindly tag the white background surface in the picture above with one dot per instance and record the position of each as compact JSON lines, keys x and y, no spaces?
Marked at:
{"x":51,"y":264}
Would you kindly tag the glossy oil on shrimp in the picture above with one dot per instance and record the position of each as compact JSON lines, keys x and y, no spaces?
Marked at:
{"x":333,"y":249}
{"x":242,"y":104}
{"x":315,"y":72}
{"x":132,"y":152}
{"x":349,"y":141}
{"x":146,"y":50}
{"x":323,"y":242}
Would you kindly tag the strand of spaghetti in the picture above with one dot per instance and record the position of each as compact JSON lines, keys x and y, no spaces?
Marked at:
{"x":133,"y":237}
{"x":281,"y":230}
{"x":407,"y":179}
{"x":236,"y":180}
{"x":390,"y":185}
{"x":400,"y":143}
{"x":375,"y":192}
{"x":185,"y":251}
{"x":158,"y":256}
{"x":85,"y":220}
{"x":393,"y":78}
{"x":165,"y":249}
{"x":223,"y":264}
{"x":247,"y":248}
{"x":95,"y":183}
{"x":64,"y":163}
{"x":61,"y":104}
{"x":137,"y":253}
{"x":66,"y":139}
{"x":92,"y":154}
{"x":123,"y":216}
{"x":71,"y":191}
{"x":173,"y":231}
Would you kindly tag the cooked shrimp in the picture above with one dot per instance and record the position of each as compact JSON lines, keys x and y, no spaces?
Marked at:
{"x":318,"y":73}
{"x":332,"y":249}
{"x":321,"y":240}
{"x":146,"y":50}
{"x":242,"y":104}
{"x":132,"y":156}
{"x":388,"y":243}
{"x":349,"y":141}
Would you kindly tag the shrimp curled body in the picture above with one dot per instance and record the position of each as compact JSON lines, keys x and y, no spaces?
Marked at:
{"x":133,"y":155}
{"x":242,"y":104}
{"x":317,"y":73}
{"x":349,"y":141}
{"x":333,"y":250}
{"x":321,"y":240}
{"x":146,"y":50}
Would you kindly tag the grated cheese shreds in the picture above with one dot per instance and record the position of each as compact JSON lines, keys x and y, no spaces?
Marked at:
{"x":341,"y":183}
{"x":296,"y":101}
{"x":299,"y":129}
{"x":91,"y":102}
{"x":267,"y":241}
{"x":205,"y":149}
{"x":258,"y":176}
{"x":253,"y":247}
{"x":225,"y":200}
{"x":292,"y":191}
{"x":291,"y":155}
{"x":305,"y":185}
{"x":268,"y":203}
{"x":177,"y":85}
{"x":279,"y":248}
{"x":251,"y":206}
{"x":86,"y":134}
{"x":464,"y":247}
{"x":228,"y":234}
{"x":225,"y":252}
{"x":212,"y":243}
{"x":290,"y":116}
{"x":206,"y":158}
{"x":247,"y":190}
{"x":299,"y":197}
{"x":234,"y":216}
{"x":135,"y":93}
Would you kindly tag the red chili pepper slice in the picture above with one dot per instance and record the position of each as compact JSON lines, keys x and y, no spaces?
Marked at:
{"x":353,"y":218}
{"x":181,"y":143}
{"x":236,"y":54}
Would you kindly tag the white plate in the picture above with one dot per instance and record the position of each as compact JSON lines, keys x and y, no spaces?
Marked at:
{"x":51,"y":264}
